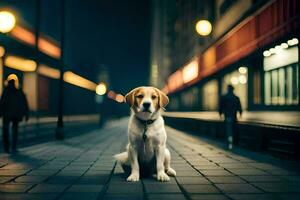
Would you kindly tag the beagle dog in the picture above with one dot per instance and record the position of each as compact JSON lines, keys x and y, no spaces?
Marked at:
{"x":146,"y":151}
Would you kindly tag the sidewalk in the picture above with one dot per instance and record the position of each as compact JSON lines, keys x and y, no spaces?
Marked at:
{"x":82,"y":168}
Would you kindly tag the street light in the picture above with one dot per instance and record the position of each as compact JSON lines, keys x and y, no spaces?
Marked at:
{"x":203,"y":27}
{"x":101,"y":89}
{"x":7,"y":21}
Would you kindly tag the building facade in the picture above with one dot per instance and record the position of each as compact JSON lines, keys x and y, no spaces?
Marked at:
{"x":253,"y":46}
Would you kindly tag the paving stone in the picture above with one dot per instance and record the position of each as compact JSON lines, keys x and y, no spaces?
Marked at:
{"x":14,"y":188}
{"x":153,"y":180}
{"x":79,"y":196}
{"x":4,"y":179}
{"x":216,"y":172}
{"x":225,"y":179}
{"x":31,"y":179}
{"x":278,"y":187}
{"x":203,"y":189}
{"x":162,"y":188}
{"x":42,"y":172}
{"x":133,"y":188}
{"x":282,"y":172}
{"x":248,"y":172}
{"x":62,"y":179}
{"x":201,"y":167}
{"x":48,"y":188}
{"x":238,"y":188}
{"x":94,"y":180}
{"x":255,"y":197}
{"x":123,"y":196}
{"x":85,"y":188}
{"x":187,"y":173}
{"x":166,"y":197}
{"x":208,"y":197}
{"x":21,"y":196}
{"x":192,"y":180}
{"x":236,"y":166}
{"x":12,"y":172}
{"x":291,"y":178}
{"x":263,"y":178}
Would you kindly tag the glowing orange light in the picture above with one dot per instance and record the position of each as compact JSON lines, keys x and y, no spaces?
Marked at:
{"x":7,"y":21}
{"x":23,"y":35}
{"x":49,"y":48}
{"x":2,"y":51}
{"x":165,"y":89}
{"x":79,"y":81}
{"x":203,"y":27}
{"x":19,"y":63}
{"x":48,"y":71}
{"x":190,"y":71}
{"x":101,"y":89}
{"x":175,"y":81}
{"x":120,"y":98}
{"x":111,"y":94}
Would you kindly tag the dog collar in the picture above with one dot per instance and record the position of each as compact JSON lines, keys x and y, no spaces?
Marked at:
{"x":145,"y":123}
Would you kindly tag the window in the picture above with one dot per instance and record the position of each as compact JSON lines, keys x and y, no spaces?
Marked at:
{"x":281,"y":74}
{"x":239,"y":80}
{"x":210,"y":96}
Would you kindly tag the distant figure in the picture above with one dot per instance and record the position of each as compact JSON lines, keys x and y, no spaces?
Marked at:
{"x":229,"y":106}
{"x":13,"y":108}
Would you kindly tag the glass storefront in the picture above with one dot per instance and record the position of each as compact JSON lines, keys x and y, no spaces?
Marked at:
{"x":239,"y":80}
{"x":210,"y":96}
{"x":281,"y":74}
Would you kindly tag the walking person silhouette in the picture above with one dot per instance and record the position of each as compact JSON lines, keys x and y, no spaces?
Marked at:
{"x":230,"y":105}
{"x":13,"y":108}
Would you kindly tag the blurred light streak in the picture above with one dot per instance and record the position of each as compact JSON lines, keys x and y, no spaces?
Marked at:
{"x":2,"y":51}
{"x":175,"y":81}
{"x":243,"y":70}
{"x":21,"y":64}
{"x":293,"y":42}
{"x":190,"y":71}
{"x":7,"y":21}
{"x":23,"y":35}
{"x":79,"y":81}
{"x":120,"y":98}
{"x":101,"y":89}
{"x":203,"y":27}
{"x":111,"y":94}
{"x":49,"y":48}
{"x":48,"y":71}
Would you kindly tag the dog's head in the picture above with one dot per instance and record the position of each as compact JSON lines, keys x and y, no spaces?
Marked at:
{"x":146,"y":101}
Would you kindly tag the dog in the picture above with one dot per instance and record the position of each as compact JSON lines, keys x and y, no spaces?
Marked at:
{"x":146,"y":152}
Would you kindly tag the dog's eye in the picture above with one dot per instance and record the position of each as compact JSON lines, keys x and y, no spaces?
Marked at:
{"x":154,"y":97}
{"x":140,"y":96}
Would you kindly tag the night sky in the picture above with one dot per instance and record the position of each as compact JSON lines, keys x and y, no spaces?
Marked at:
{"x":110,"y":33}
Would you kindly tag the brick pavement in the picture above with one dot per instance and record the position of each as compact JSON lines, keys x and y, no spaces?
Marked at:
{"x":82,"y":168}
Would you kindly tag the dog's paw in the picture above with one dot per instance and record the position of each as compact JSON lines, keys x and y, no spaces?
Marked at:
{"x":162,"y":176}
{"x":171,"y":172}
{"x":133,"y":177}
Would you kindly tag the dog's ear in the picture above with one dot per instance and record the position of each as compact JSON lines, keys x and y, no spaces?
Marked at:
{"x":163,"y":98}
{"x":129,"y":97}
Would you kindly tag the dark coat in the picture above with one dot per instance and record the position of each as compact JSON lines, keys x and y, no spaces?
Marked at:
{"x":230,"y":105}
{"x":13,"y":104}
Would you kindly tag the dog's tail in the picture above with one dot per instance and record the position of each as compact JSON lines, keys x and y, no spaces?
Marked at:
{"x":122,"y":157}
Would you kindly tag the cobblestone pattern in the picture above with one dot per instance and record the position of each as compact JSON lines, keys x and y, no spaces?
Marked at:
{"x":82,"y":168}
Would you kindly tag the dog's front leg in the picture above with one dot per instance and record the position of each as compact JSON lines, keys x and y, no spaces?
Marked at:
{"x":135,"y":169}
{"x":160,"y":157}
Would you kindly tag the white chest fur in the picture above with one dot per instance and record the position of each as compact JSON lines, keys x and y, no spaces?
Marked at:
{"x":155,"y":136}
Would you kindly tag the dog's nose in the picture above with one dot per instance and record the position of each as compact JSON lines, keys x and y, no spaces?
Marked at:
{"x":146,"y":105}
